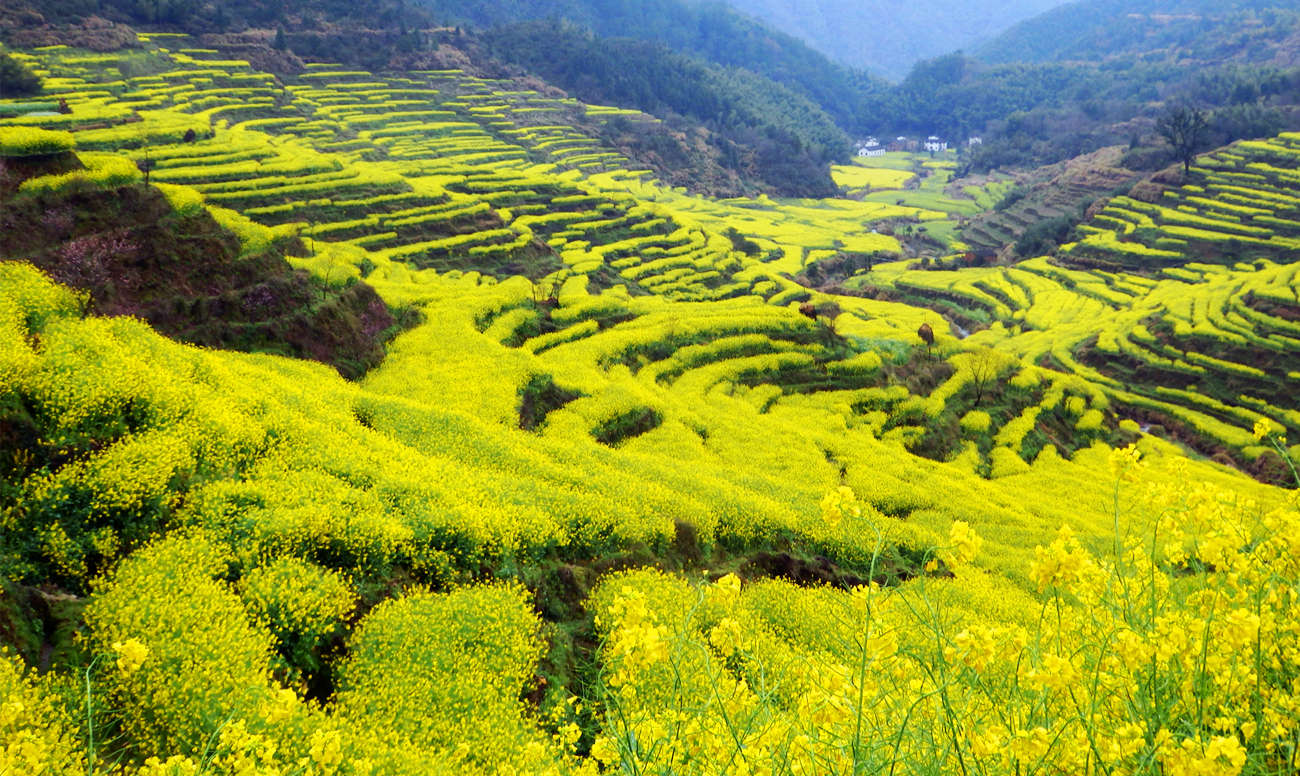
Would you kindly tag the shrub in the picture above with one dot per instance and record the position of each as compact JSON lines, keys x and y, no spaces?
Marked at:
{"x":16,"y":80}
{"x":1043,"y":236}
{"x":298,"y":601}
{"x":1090,"y":421}
{"x":976,"y":422}
{"x":36,"y":733}
{"x":446,"y":669}
{"x":214,"y":668}
{"x":1010,"y":198}
{"x":1005,"y":462}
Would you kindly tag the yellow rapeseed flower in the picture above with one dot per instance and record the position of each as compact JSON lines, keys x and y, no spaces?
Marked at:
{"x":726,"y":636}
{"x":131,"y":654}
{"x":965,"y":542}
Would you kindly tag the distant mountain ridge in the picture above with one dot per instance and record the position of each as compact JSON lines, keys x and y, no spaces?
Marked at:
{"x":889,"y":36}
{"x":1182,"y":31}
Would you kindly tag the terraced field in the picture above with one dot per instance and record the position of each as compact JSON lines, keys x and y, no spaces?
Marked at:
{"x":1062,"y":191}
{"x":917,"y":180}
{"x":407,"y":181}
{"x":632,"y":499}
{"x":1182,"y":309}
{"x":418,"y":168}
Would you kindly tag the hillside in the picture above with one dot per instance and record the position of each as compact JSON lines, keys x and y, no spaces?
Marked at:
{"x":636,"y":492}
{"x":1261,"y":32}
{"x":709,"y":31}
{"x":770,"y":135}
{"x":730,"y":131}
{"x":888,"y":37}
{"x":1049,"y":199}
{"x":187,"y":274}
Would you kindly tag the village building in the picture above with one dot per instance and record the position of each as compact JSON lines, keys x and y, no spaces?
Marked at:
{"x":902,"y":143}
{"x":934,"y":143}
{"x":870,"y":148}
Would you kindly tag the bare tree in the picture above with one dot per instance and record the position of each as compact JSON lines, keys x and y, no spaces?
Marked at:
{"x":985,"y":366}
{"x":1183,"y":127}
{"x":830,"y":311}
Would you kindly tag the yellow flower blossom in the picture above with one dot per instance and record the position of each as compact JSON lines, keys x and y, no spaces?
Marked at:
{"x":131,"y":654}
{"x":965,"y":542}
{"x":726,"y":636}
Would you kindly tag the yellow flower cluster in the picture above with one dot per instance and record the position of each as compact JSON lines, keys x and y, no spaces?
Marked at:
{"x":1064,"y":564}
{"x":1128,"y":666}
{"x":38,"y":735}
{"x":839,"y":503}
{"x":1172,"y":651}
{"x":297,"y":600}
{"x":30,"y":141}
{"x":966,"y":543}
{"x":131,"y":654}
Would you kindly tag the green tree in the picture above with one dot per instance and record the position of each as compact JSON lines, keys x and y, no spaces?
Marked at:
{"x":1183,"y":127}
{"x":16,"y":80}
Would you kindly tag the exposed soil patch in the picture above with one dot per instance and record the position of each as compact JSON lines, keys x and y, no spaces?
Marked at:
{"x":185,"y":276}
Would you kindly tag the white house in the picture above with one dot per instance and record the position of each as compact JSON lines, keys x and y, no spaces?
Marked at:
{"x":973,"y":141}
{"x":872,"y":148}
{"x":933,"y":143}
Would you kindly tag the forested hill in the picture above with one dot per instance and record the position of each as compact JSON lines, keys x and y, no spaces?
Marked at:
{"x":887,"y":36}
{"x":768,"y":133}
{"x":710,"y":31}
{"x":1255,"y":31}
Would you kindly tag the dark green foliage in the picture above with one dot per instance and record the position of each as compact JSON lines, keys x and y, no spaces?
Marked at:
{"x":16,"y":80}
{"x":540,"y":396}
{"x":1044,"y":236}
{"x":1010,"y":198}
{"x":709,"y":31}
{"x":763,"y":130}
{"x":955,"y":96}
{"x":1184,"y":129}
{"x":1091,"y":106}
{"x":1095,"y":30}
{"x":1117,"y":60}
{"x":742,"y":243}
{"x":622,"y":427}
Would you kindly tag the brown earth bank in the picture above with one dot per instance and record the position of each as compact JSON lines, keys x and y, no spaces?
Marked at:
{"x":186,"y":276}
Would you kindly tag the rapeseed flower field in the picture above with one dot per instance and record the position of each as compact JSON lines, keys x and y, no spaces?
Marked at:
{"x":630,"y":499}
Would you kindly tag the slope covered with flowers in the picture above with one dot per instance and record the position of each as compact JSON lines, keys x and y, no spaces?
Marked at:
{"x":566,"y":525}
